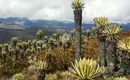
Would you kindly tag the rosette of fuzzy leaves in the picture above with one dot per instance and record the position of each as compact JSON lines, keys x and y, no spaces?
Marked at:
{"x":124,"y":44}
{"x":85,"y":69}
{"x":40,"y":64}
{"x":65,"y":38}
{"x":111,"y":31}
{"x":39,"y":34}
{"x":19,"y":76}
{"x":52,"y":39}
{"x":14,"y":41}
{"x":101,"y":22}
{"x":77,"y":4}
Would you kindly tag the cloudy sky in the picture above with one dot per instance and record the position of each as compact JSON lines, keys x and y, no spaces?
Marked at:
{"x":116,"y":10}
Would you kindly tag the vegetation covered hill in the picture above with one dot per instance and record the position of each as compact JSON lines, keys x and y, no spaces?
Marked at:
{"x":11,"y":26}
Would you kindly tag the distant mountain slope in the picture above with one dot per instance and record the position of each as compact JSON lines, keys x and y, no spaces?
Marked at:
{"x":40,"y":23}
{"x":50,"y":23}
{"x":11,"y":26}
{"x":25,"y":29}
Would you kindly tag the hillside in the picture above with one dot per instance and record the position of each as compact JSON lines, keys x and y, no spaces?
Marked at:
{"x":11,"y":26}
{"x":27,"y":33}
{"x":42,"y":23}
{"x":50,"y":23}
{"x":25,"y":29}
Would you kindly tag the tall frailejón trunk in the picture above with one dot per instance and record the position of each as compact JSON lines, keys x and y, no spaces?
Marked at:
{"x":111,"y":56}
{"x":78,"y":25}
{"x":125,"y":64}
{"x":102,"y":51}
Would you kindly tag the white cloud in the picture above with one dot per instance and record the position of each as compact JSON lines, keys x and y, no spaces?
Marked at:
{"x":116,"y":10}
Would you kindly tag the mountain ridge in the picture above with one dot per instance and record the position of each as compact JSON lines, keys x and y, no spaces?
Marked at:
{"x":50,"y":23}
